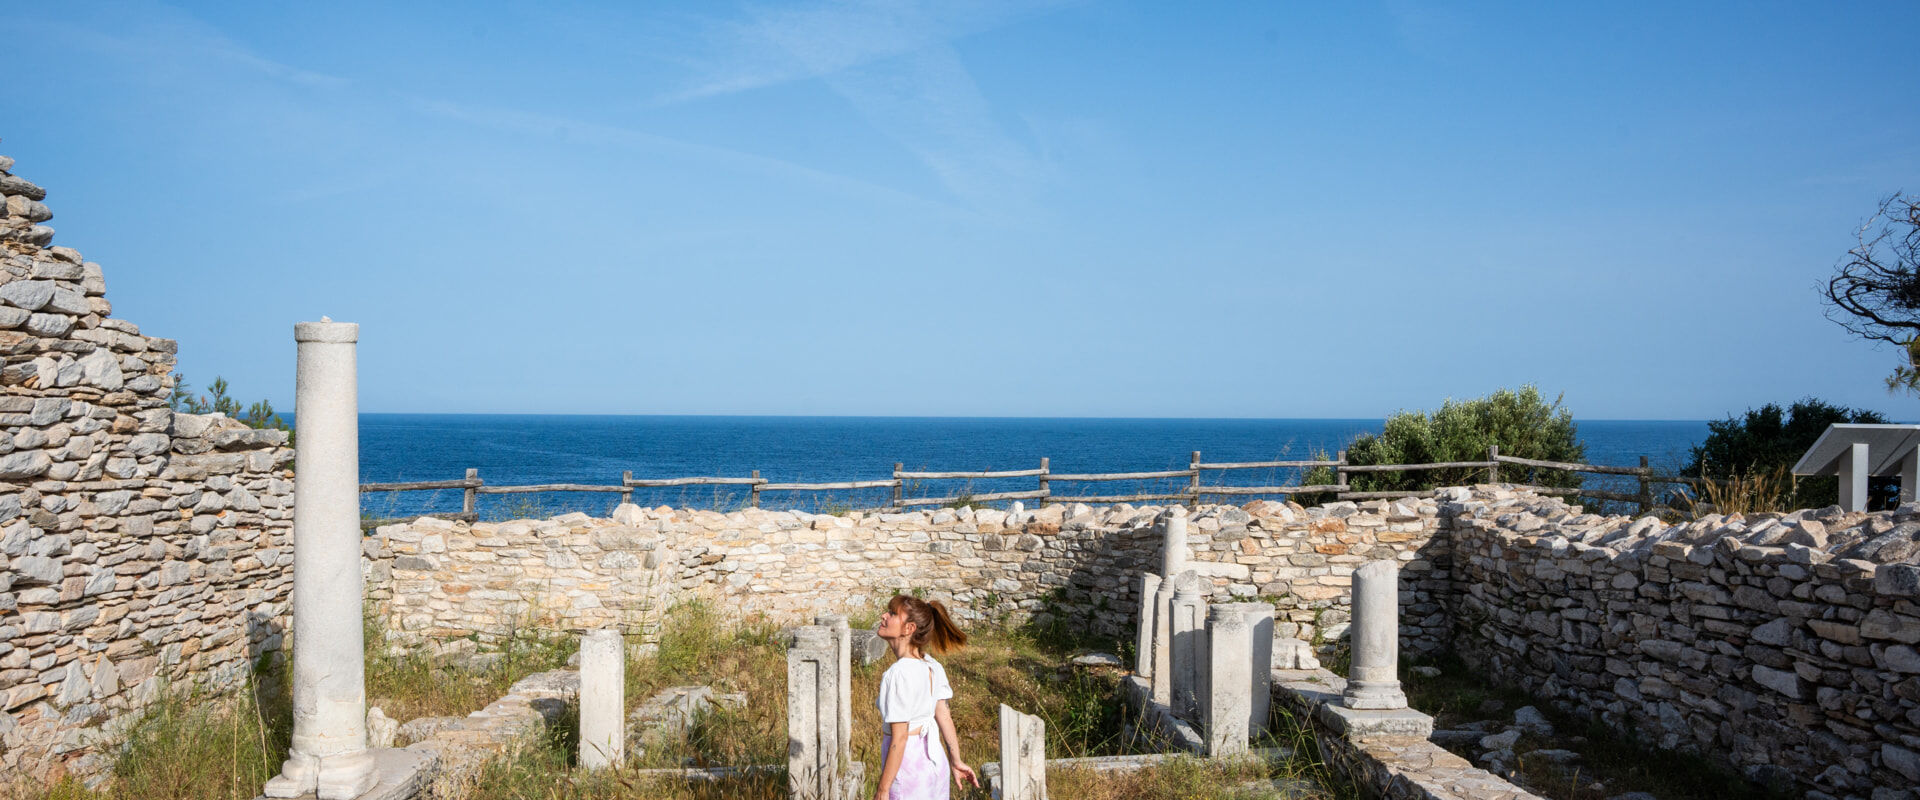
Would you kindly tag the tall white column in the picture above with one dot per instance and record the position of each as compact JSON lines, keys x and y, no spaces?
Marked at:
{"x":1374,"y":680}
{"x":603,"y":698}
{"x":1173,"y":561}
{"x":329,"y":756}
{"x":1143,"y":649}
{"x":1853,"y":477}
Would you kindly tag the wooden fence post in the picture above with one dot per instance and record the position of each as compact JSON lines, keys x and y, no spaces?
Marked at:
{"x":1646,"y":486}
{"x":897,"y":467}
{"x":1493,"y":463}
{"x":625,"y":478}
{"x":1340,"y":474}
{"x":753,"y":490}
{"x":1045,"y":490}
{"x":1193,"y":481}
{"x":469,"y":495}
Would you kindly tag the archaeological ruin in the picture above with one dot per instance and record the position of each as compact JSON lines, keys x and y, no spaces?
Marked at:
{"x":145,"y":551}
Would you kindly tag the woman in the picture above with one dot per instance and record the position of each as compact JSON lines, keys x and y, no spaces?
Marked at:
{"x":913,"y":704}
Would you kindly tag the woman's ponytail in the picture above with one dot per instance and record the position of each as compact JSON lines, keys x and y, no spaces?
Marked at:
{"x":943,"y":635}
{"x":933,"y":628}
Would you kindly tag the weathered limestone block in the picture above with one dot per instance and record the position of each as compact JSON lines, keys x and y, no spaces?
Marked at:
{"x":1023,"y":756}
{"x":603,"y":702}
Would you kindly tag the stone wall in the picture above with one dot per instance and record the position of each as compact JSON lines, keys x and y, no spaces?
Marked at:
{"x":139,"y":548}
{"x":1783,"y":645}
{"x":436,"y":580}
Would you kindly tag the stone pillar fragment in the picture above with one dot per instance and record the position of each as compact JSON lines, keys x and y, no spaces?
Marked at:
{"x":1853,"y":477}
{"x":843,"y":643}
{"x":1143,"y":652}
{"x":329,"y":756}
{"x":1374,"y":680}
{"x":1173,"y":561}
{"x":1260,"y":677}
{"x":1023,"y":756}
{"x":1187,"y":622}
{"x":817,"y":751}
{"x":603,"y":699}
{"x":1228,"y":707}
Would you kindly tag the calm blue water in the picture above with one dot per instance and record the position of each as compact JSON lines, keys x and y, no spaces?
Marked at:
{"x":526,"y":449}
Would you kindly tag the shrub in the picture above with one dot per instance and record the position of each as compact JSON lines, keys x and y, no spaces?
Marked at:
{"x":1767,"y":441}
{"x":1521,"y":423}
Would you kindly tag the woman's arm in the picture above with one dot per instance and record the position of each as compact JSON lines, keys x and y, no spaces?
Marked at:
{"x":962,"y":773}
{"x":896,"y":755}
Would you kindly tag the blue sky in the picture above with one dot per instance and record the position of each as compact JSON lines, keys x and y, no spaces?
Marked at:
{"x":1073,"y":209}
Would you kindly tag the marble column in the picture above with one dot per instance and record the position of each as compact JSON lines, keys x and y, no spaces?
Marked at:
{"x":1173,"y":561}
{"x":1228,"y":705}
{"x":1023,"y":756}
{"x":1188,"y":624}
{"x":603,"y":699}
{"x":817,"y":752}
{"x":1143,"y":649}
{"x":329,"y":757}
{"x":1374,"y":680}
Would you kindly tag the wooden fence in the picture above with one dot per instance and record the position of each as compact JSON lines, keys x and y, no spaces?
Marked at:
{"x":472,"y":486}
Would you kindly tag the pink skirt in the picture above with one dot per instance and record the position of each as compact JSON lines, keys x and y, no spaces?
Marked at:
{"x":924,"y":774}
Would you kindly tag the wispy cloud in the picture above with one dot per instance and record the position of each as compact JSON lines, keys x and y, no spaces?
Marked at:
{"x":591,"y":133}
{"x":166,"y":38}
{"x":896,"y":64}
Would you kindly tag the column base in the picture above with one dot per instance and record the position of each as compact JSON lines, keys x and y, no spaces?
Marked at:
{"x":390,"y":774}
{"x":1372,"y":696}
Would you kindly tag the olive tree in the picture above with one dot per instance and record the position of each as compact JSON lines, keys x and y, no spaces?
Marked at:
{"x":1875,"y":291}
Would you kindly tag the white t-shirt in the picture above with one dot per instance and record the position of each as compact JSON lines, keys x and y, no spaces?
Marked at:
{"x":909,"y":691}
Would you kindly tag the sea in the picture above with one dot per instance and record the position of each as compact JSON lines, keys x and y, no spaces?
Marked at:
{"x":522,"y":449}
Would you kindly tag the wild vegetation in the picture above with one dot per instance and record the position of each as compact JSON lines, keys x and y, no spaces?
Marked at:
{"x":1522,"y":423}
{"x":258,"y":415}
{"x":1749,"y":458}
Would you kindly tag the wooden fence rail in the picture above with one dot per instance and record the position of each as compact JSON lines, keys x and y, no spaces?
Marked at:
{"x":1341,"y":488}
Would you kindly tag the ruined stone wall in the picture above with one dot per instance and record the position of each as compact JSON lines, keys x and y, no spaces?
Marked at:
{"x":436,"y":580}
{"x":1783,"y":645}
{"x":139,"y":549}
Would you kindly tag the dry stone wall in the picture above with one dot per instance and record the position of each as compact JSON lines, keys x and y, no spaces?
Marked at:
{"x":1783,"y":645}
{"x":140,"y":549}
{"x":442,"y":581}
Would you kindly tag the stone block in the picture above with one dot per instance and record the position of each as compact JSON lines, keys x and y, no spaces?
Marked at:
{"x":602,"y":699}
{"x":1023,"y":756}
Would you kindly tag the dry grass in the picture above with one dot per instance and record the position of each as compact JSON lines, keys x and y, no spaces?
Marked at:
{"x":199,"y":748}
{"x":1014,"y":666}
{"x":409,"y":684}
{"x":192,"y":747}
{"x":1742,"y":493}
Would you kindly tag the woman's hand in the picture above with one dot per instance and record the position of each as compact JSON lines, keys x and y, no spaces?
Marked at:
{"x":963,"y":774}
